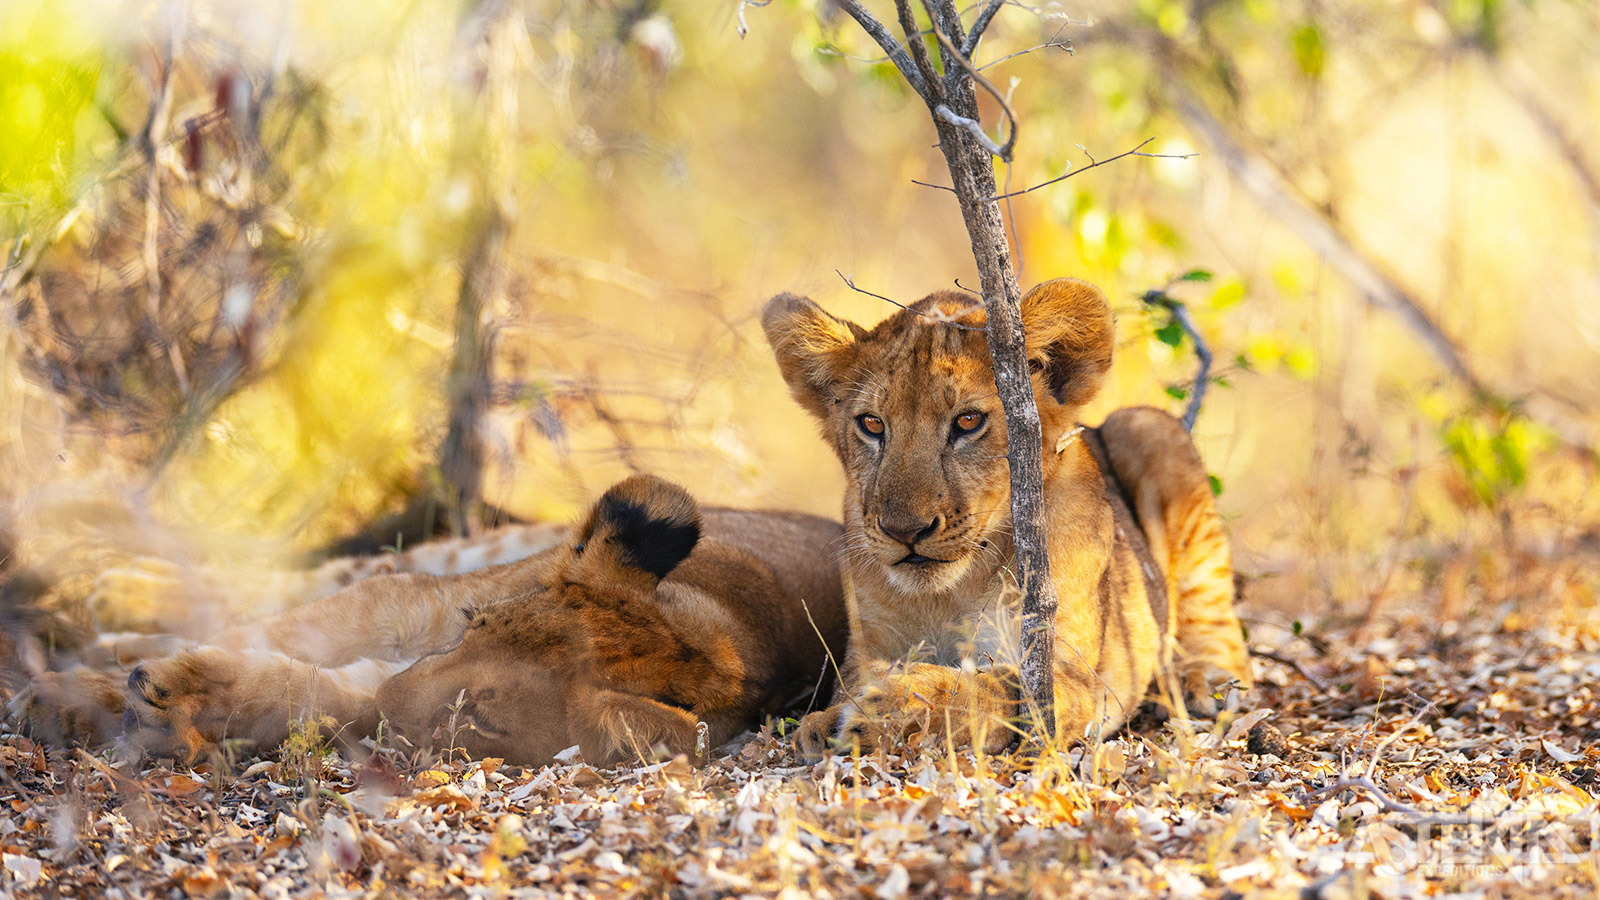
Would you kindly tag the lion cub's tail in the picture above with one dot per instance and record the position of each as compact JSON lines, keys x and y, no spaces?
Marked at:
{"x":1158,"y":466}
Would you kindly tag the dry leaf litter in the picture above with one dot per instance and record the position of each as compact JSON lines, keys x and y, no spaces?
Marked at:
{"x":1429,"y":766}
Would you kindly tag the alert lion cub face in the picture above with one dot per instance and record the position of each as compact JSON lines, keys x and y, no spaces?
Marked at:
{"x":911,"y":410}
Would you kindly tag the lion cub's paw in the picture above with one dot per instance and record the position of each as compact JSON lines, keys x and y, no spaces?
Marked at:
{"x":1205,"y":690}
{"x":146,"y":595}
{"x":78,"y":706}
{"x":166,"y":696}
{"x":814,"y":737}
{"x":871,"y":720}
{"x":931,"y":702}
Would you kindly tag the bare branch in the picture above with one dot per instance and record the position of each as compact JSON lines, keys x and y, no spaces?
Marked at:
{"x":897,"y":54}
{"x":1095,"y":163}
{"x":945,"y":19}
{"x":979,"y":25}
{"x":1566,"y":143}
{"x":1180,"y":315}
{"x":919,"y":52}
{"x":1316,"y":682}
{"x":155,"y":129}
{"x":926,"y":315}
{"x":1269,"y":189}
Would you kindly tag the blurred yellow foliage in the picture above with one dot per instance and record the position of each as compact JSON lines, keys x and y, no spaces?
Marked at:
{"x":666,"y":178}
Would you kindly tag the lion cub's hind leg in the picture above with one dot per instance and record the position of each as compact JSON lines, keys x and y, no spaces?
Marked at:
{"x":1157,"y":463}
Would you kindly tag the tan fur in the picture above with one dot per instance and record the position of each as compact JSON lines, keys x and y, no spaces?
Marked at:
{"x":931,"y":596}
{"x":648,"y":620}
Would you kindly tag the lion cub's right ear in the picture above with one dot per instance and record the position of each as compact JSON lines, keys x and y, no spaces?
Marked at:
{"x":814,"y":349}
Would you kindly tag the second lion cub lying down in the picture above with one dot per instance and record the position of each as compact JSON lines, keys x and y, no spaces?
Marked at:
{"x":650,"y":619}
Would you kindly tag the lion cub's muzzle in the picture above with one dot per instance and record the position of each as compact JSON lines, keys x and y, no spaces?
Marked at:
{"x":909,"y":530}
{"x":910,"y":543}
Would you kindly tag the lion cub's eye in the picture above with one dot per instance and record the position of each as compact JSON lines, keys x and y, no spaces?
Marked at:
{"x":871,"y":426}
{"x":967,"y":423}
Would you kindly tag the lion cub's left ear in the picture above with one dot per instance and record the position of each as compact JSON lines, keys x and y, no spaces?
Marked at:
{"x":1070,"y":333}
{"x":644,"y":524}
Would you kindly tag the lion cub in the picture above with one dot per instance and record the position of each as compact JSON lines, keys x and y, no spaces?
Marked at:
{"x":910,"y":409}
{"x":650,"y":619}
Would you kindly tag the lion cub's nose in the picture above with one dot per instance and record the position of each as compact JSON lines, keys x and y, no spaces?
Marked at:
{"x":910,"y":531}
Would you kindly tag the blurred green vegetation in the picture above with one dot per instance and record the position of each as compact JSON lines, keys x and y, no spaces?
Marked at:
{"x":321,"y":169}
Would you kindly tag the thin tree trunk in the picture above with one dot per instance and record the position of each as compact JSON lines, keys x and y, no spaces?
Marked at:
{"x":462,"y":455}
{"x":972,"y":174}
{"x":953,"y":103}
{"x":482,"y":132}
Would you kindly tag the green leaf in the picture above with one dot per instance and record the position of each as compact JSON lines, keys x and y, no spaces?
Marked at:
{"x":1243,"y":362}
{"x":1177,"y":393}
{"x":1298,"y":628}
{"x":1308,"y":50}
{"x":1195,"y":275}
{"x":1170,"y":334}
{"x":1216,"y":485}
{"x":1228,"y":293}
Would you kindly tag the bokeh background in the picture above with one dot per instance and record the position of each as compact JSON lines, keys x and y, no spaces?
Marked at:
{"x":275,"y":271}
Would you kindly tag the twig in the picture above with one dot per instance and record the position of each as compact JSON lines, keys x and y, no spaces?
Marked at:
{"x":1054,"y":41}
{"x":1316,"y":682}
{"x":926,"y":315}
{"x":1095,"y":163}
{"x":1387,"y":742}
{"x":1180,"y":315}
{"x":744,"y":27}
{"x":897,"y":53}
{"x":1365,"y":783}
{"x":972,"y":125}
